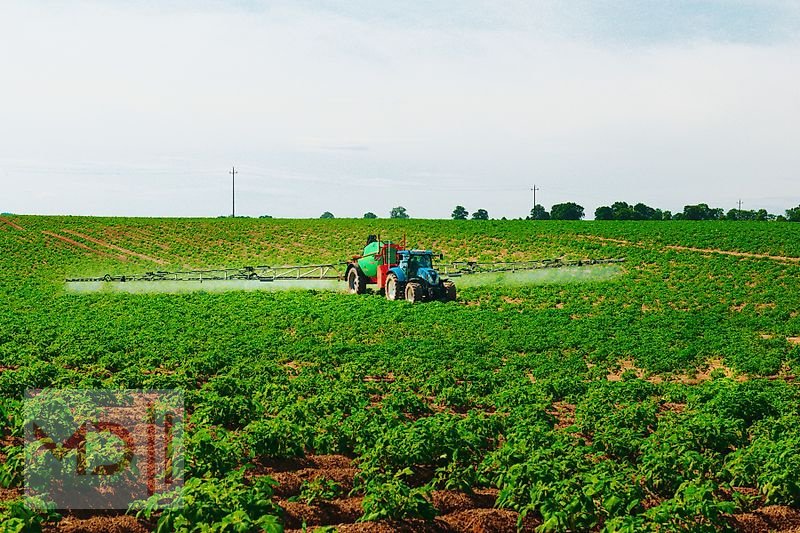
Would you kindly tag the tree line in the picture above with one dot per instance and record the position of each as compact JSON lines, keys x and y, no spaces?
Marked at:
{"x":615,"y":211}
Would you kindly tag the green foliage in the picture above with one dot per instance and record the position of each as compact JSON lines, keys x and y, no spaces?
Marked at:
{"x":480,"y":214}
{"x":389,"y":497}
{"x":327,"y":214}
{"x":370,"y":215}
{"x":513,"y":388}
{"x":459,"y":213}
{"x":222,"y":504}
{"x":539,"y":213}
{"x":398,"y":212}
{"x":566,"y":211}
{"x":318,"y":488}
{"x":25,"y":516}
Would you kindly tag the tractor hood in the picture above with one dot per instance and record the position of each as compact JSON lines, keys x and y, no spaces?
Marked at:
{"x":429,"y":275}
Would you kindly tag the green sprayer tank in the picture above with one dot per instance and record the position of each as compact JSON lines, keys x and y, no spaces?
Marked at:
{"x":372,"y":259}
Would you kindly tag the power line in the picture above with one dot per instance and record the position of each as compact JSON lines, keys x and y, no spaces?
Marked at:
{"x":534,"y":189}
{"x":233,"y":173}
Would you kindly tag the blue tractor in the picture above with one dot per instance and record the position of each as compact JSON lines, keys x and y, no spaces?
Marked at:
{"x":415,"y":279}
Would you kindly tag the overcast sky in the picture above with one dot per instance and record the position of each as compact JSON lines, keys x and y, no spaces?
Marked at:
{"x":141,"y":108}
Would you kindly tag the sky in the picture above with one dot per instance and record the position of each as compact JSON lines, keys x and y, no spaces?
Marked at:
{"x":142,"y":108}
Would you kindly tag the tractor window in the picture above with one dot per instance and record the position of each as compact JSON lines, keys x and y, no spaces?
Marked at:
{"x":418,"y":261}
{"x":424,"y":261}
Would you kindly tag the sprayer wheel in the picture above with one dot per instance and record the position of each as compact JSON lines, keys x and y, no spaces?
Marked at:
{"x":413,"y":292}
{"x":394,"y":288}
{"x":356,"y":281}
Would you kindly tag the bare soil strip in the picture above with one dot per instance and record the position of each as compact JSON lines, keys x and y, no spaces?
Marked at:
{"x":734,"y":253}
{"x":777,"y":518}
{"x":115,"y":247}
{"x":12,"y":224}
{"x":83,"y":246}
{"x":782,"y":258}
{"x":458,"y":511}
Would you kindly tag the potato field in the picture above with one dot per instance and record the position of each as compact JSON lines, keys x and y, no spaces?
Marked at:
{"x":659,"y":394}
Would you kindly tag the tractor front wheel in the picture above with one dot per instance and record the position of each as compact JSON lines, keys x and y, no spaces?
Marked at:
{"x":449,"y":291}
{"x":394,"y":288}
{"x":356,"y":281}
{"x":413,"y":292}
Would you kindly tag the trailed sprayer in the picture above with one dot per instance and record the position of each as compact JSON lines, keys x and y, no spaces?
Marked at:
{"x":399,"y":272}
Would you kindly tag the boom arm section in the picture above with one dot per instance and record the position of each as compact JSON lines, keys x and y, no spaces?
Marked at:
{"x":257,"y":273}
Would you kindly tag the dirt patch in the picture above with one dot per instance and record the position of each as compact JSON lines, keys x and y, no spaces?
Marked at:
{"x":98,"y":524}
{"x":82,"y":246}
{"x":793,"y":340}
{"x":672,"y":407}
{"x":13,"y":224}
{"x":9,"y":494}
{"x":509,"y":300}
{"x":624,"y":366}
{"x":777,"y":518}
{"x":449,"y":501}
{"x":115,"y":247}
{"x":388,"y":378}
{"x":605,"y":239}
{"x":459,"y":512}
{"x":323,"y":513}
{"x":714,"y":365}
{"x":488,"y":521}
{"x":564,"y":413}
{"x":291,"y":473}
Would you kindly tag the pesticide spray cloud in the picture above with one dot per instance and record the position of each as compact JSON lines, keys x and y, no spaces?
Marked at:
{"x":180,"y":287}
{"x":548,"y":276}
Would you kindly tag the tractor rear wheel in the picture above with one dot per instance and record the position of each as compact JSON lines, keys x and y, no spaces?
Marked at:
{"x":449,"y":291}
{"x":394,"y":288}
{"x":356,"y":281}
{"x":413,"y":292}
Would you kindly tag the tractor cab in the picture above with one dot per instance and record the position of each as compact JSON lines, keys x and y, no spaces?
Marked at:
{"x":417,"y":264}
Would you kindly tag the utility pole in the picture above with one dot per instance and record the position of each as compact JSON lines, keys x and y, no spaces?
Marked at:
{"x":533,"y":190}
{"x":233,"y":173}
{"x":740,"y":204}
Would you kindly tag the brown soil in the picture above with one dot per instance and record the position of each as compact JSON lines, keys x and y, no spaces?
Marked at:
{"x":793,"y":340}
{"x":777,"y":518}
{"x":564,"y":413}
{"x":705,"y":375}
{"x":624,"y":366}
{"x":115,"y":247}
{"x":9,"y":494}
{"x":98,"y":524}
{"x":83,"y":246}
{"x":488,"y":521}
{"x":389,"y":378}
{"x":604,"y":239}
{"x":458,"y":512}
{"x":11,"y":223}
